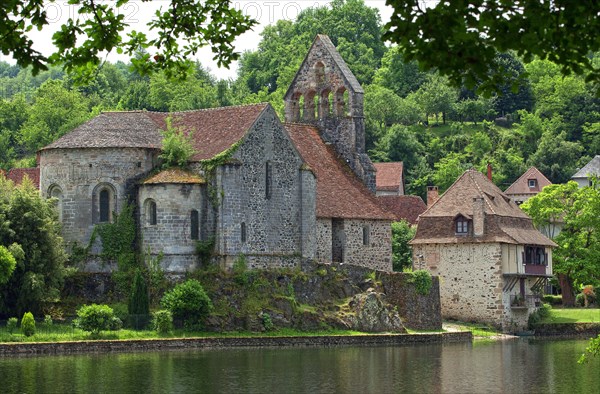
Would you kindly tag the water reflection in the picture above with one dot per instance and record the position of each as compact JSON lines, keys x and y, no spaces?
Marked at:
{"x":518,"y":366}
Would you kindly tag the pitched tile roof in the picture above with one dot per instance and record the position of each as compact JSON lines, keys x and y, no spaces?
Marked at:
{"x":213,"y":130}
{"x":403,"y":207}
{"x":521,"y":185}
{"x":18,"y":174}
{"x":173,"y":175}
{"x":591,"y":168}
{"x":504,"y":221}
{"x":389,"y":176}
{"x":340,"y":194}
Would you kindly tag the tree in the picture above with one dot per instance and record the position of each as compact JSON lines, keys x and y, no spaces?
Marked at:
{"x":461,"y":39}
{"x":576,"y":260}
{"x":7,"y":264}
{"x":402,"y":232}
{"x":396,"y":74}
{"x":177,"y":148}
{"x":82,"y":41}
{"x":448,"y":169}
{"x":555,"y":157}
{"x":435,"y":96}
{"x":139,"y":303}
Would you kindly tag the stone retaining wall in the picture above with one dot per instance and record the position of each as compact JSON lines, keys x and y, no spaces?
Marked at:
{"x":16,"y":349}
{"x":568,"y":330}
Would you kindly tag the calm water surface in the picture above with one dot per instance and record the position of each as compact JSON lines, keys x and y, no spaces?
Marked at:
{"x":515,"y":366}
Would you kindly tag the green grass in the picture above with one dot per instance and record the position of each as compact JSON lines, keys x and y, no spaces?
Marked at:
{"x":480,"y":331}
{"x":573,"y":315}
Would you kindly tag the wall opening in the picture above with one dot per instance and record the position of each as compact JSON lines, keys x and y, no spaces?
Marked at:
{"x":56,"y":192}
{"x":194,"y":224}
{"x":366,"y":235}
{"x":151,"y":212}
{"x":268,"y":180}
{"x":243,"y":232}
{"x":104,"y":202}
{"x":309,"y":106}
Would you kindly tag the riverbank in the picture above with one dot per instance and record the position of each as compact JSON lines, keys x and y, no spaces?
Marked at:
{"x":111,"y":346}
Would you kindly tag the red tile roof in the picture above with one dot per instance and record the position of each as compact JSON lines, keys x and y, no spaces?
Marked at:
{"x":18,"y":174}
{"x":505,"y":222}
{"x":389,"y":176}
{"x":213,"y":130}
{"x":404,"y":207}
{"x":340,"y":194}
{"x":521,"y":185}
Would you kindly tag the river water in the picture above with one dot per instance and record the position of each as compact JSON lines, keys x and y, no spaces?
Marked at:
{"x":512,"y":366}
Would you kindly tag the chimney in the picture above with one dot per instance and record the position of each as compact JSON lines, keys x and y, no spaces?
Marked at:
{"x":489,"y":171}
{"x":478,"y":216}
{"x":432,"y":195}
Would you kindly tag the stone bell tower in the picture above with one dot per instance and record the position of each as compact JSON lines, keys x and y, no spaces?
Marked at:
{"x":325,"y":93}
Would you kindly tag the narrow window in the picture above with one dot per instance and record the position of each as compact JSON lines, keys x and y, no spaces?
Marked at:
{"x":56,"y":192}
{"x":366,"y":235}
{"x":268,"y":180}
{"x":243,"y":232}
{"x":104,"y":205}
{"x":151,"y":213}
{"x":462,"y":226}
{"x":194,"y":224}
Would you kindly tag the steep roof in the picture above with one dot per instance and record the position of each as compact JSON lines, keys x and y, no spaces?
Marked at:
{"x":340,"y":194}
{"x":403,"y":207}
{"x":389,"y":176}
{"x":18,"y":174}
{"x":591,"y":168}
{"x":521,"y":185}
{"x":173,"y":175}
{"x":505,"y":222}
{"x":323,"y":41}
{"x":213,"y":130}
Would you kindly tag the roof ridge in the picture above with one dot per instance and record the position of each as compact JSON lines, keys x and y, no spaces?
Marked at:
{"x":482,"y":193}
{"x":264,"y":104}
{"x":440,"y":197}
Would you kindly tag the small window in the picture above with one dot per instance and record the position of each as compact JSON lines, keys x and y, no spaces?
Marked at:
{"x":532,"y":183}
{"x":243,"y":232}
{"x":104,"y":205}
{"x":151,"y":213}
{"x":268,"y":180}
{"x":194,"y":224}
{"x":535,"y":255}
{"x":366,"y":235}
{"x":462,"y":226}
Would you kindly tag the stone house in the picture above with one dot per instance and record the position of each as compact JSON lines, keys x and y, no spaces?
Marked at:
{"x":274,"y":192}
{"x":583,"y":176}
{"x":390,"y":179}
{"x":491,"y":260}
{"x":528,"y":185}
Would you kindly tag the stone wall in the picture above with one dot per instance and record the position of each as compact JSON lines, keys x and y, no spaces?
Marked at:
{"x":171,"y":234}
{"x":260,"y":210}
{"x":18,"y":349}
{"x":76,"y":177}
{"x":471,"y":279}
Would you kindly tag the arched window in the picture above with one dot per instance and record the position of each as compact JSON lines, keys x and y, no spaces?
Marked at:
{"x":56,"y":192}
{"x":194,"y":224}
{"x":151,"y":212}
{"x":295,"y":106}
{"x":104,"y":203}
{"x":243,"y":232}
{"x":309,"y":106}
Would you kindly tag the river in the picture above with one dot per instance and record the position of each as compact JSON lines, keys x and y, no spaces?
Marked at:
{"x":511,"y":366}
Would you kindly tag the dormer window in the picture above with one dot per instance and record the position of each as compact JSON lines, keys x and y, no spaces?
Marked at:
{"x":462,"y":225}
{"x":532,"y":183}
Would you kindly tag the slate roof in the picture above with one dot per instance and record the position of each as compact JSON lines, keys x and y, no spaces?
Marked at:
{"x":591,"y":168}
{"x":521,"y":185}
{"x":403,"y":207}
{"x":18,"y":174}
{"x":213,"y":130}
{"x":173,"y":175}
{"x":340,"y":194}
{"x":389,"y":176}
{"x":505,"y":222}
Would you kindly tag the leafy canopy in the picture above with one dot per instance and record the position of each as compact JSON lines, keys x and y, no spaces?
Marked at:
{"x":461,"y":38}
{"x":179,"y":30}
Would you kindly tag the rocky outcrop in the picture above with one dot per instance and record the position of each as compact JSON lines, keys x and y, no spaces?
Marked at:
{"x":371,"y":313}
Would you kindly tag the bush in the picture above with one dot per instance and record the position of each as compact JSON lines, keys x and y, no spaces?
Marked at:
{"x":95,"y":318}
{"x":552,"y":299}
{"x":11,"y":324}
{"x":48,"y":321}
{"x":422,"y":280}
{"x":28,"y":324}
{"x":188,"y":303}
{"x":162,"y":321}
{"x":539,"y":315}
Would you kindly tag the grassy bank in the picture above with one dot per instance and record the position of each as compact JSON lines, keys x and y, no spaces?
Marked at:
{"x":573,"y":315}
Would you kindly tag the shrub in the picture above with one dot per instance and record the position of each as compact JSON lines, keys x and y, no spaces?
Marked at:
{"x":539,"y":315}
{"x":48,"y":321}
{"x":11,"y":324}
{"x":552,"y":299}
{"x":422,"y":280}
{"x":139,"y":304}
{"x":267,"y":322}
{"x":95,"y":318}
{"x":188,"y":303}
{"x":162,"y":321}
{"x":28,"y":324}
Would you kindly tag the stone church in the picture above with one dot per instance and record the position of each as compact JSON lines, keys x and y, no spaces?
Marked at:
{"x":276,"y":193}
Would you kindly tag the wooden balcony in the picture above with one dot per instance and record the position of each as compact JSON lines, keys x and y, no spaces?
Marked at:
{"x":535,"y":269}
